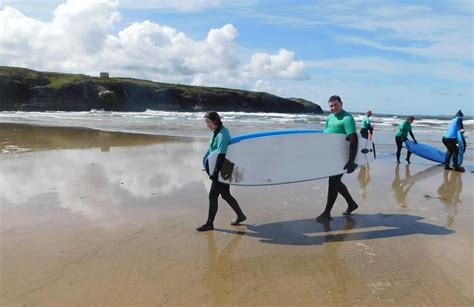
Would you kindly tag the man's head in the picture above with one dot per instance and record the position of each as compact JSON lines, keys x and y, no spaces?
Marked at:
{"x":335,"y":104}
{"x":411,"y":119}
{"x":459,"y":113}
{"x":369,"y":113}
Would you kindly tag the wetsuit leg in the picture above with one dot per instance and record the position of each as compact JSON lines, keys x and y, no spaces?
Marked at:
{"x":451,"y":146}
{"x":216,"y":190}
{"x":333,"y":190}
{"x":225,"y":193}
{"x":399,"y":142}
{"x":408,"y":154}
{"x":342,"y":189}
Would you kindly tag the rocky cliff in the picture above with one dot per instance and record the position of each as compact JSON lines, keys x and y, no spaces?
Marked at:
{"x":28,"y":90}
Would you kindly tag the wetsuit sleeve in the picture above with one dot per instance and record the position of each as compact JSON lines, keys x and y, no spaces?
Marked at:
{"x":349,"y":125}
{"x":223,"y":140}
{"x":412,"y":136}
{"x":354,"y":142}
{"x":370,"y":127}
{"x":219,"y":163}
{"x":353,"y":145}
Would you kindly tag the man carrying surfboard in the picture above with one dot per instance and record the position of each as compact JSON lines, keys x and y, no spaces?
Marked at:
{"x":450,"y":140}
{"x":366,"y":126}
{"x":402,"y":134}
{"x":219,"y":141}
{"x":340,"y":122}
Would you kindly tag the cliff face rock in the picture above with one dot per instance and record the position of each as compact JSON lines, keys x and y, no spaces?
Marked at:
{"x":27,"y":90}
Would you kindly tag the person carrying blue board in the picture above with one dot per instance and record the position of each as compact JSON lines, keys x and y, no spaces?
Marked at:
{"x":450,"y":140}
{"x":340,"y":122}
{"x":219,"y":141}
{"x":402,"y":134}
{"x":366,"y":126}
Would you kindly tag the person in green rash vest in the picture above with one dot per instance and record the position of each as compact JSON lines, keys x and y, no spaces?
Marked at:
{"x":340,"y":122}
{"x":220,"y":141}
{"x":366,"y":126}
{"x":402,"y":135}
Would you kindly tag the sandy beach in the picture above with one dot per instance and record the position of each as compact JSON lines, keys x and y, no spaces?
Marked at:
{"x":100,"y":218}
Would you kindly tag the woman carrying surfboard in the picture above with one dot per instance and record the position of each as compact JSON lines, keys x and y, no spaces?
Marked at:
{"x":219,"y":141}
{"x":402,"y":134}
{"x":340,"y":122}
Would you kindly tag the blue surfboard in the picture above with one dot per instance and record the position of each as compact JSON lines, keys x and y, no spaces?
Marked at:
{"x":425,"y":151}
{"x":459,"y":137}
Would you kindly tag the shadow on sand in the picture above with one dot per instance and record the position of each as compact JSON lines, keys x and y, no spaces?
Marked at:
{"x":344,"y":228}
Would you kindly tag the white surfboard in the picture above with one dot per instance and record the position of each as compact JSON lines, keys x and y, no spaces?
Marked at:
{"x":286,"y":156}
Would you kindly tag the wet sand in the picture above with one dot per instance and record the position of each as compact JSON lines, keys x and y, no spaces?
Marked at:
{"x":81,"y":225}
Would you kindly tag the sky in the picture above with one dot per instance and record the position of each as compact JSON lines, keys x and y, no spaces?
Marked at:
{"x":395,"y":57}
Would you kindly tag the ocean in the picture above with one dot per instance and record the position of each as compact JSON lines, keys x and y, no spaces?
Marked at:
{"x":427,"y":129}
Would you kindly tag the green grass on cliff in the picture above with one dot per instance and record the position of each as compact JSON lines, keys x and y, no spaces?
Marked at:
{"x":34,"y":78}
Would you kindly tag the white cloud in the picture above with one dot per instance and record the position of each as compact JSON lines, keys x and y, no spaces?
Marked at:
{"x":280,"y":65}
{"x":79,"y":39}
{"x":181,"y":5}
{"x":265,"y":86}
{"x":78,"y":31}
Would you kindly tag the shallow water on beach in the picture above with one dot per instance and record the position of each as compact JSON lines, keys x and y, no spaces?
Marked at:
{"x":102,"y":218}
{"x":427,"y":129}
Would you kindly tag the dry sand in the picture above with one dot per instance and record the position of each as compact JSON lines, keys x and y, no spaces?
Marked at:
{"x":99,"y":218}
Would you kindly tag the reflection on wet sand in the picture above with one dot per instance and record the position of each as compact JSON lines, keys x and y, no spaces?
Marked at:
{"x":364,"y":179}
{"x":236,"y":277}
{"x":95,"y":184}
{"x":400,"y":189}
{"x":449,"y":192}
{"x":15,"y":138}
{"x":220,"y":268}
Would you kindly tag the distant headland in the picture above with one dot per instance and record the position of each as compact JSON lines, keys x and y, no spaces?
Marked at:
{"x":24,"y":89}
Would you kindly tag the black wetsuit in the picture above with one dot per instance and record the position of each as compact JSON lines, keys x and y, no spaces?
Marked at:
{"x":219,"y":188}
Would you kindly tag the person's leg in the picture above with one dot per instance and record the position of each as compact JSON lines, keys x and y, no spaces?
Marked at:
{"x":448,"y":155}
{"x":398,"y":141}
{"x":408,"y":152}
{"x":351,"y":204}
{"x":233,"y":204}
{"x":364,"y":133}
{"x":455,"y":152}
{"x":408,"y":156}
{"x":333,"y":189}
{"x":213,"y":206}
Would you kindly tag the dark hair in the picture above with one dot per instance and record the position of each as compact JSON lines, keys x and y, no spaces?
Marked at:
{"x":213,"y":117}
{"x":369,"y":112}
{"x":459,"y":113}
{"x":335,"y":98}
{"x":411,"y":117}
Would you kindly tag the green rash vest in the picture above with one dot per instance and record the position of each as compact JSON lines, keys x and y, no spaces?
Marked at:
{"x":220,"y":142}
{"x":403,"y":129}
{"x":365,"y":122}
{"x":342,"y":123}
